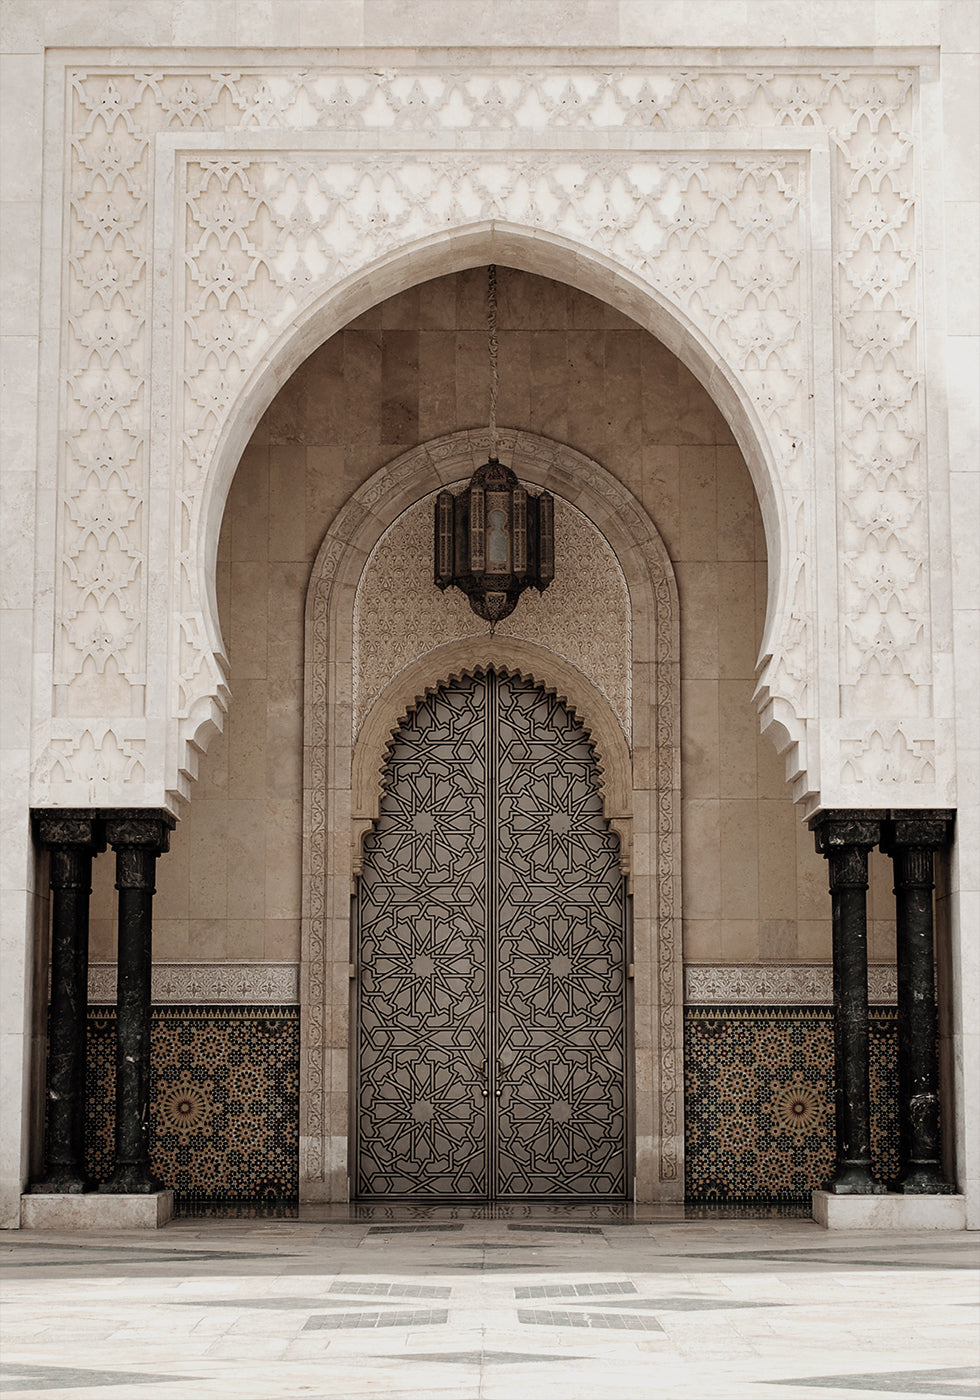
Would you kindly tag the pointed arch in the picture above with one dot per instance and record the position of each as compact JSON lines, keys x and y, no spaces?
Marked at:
{"x":642,"y":779}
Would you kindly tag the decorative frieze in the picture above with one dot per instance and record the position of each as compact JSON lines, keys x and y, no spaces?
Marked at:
{"x":205,"y":984}
{"x":787,"y":985}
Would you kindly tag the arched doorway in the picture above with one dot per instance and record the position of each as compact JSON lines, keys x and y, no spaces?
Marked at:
{"x":491,"y":958}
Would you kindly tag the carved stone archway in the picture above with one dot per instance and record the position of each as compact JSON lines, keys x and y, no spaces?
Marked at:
{"x":641,"y":779}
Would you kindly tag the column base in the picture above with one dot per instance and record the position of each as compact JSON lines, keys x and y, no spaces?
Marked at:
{"x":95,"y":1212}
{"x":890,"y":1212}
{"x":65,"y":1183}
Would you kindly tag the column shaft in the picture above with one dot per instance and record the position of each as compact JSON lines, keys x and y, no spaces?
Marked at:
{"x":845,"y":840}
{"x":911,"y":840}
{"x":137,"y":840}
{"x":72,"y":840}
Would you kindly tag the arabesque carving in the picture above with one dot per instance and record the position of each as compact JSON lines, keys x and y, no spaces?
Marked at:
{"x":721,"y":234}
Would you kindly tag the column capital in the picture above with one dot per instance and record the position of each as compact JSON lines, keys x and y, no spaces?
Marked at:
{"x":146,"y":827}
{"x":836,"y":828}
{"x":69,"y":826}
{"x":927,"y":828}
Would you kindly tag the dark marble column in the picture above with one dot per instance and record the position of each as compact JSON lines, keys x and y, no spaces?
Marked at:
{"x":845,"y":838}
{"x":911,"y":838}
{"x":72,"y":838}
{"x":137,"y":837}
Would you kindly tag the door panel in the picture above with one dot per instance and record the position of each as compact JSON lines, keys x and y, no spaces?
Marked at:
{"x":491,"y":1025}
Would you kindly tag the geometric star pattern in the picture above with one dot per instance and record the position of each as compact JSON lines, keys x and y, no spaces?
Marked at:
{"x":491,"y":958}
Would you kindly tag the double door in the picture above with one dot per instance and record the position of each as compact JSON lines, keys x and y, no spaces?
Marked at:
{"x":491,"y":959}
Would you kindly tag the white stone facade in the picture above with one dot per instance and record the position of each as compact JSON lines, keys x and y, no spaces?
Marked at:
{"x":189,"y":212}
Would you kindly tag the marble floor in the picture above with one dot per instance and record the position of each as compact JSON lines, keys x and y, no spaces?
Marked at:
{"x":488,"y":1305}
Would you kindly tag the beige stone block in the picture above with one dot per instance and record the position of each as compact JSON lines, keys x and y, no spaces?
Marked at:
{"x":893,"y":1211}
{"x":701,"y":835}
{"x":212,"y":773}
{"x":740,"y":940}
{"x":815,"y":939}
{"x":437,"y":383}
{"x":738,"y":509}
{"x":247,"y":733}
{"x":207,"y":894}
{"x":697,"y":587}
{"x":812,"y":878}
{"x":95,"y":1212}
{"x":777,"y":863}
{"x":737,"y":730}
{"x":104,"y":899}
{"x":326,"y":490}
{"x":703,"y":941}
{"x":437,"y":304}
{"x":248,"y":629}
{"x":698,"y":505}
{"x":283,"y":859}
{"x":287,"y":502}
{"x":771,"y":773}
{"x":282,"y":940}
{"x":700,"y":737}
{"x":101,"y":939}
{"x":622,"y":387}
{"x":549,"y":386}
{"x":286,"y":620}
{"x":777,"y":940}
{"x":738,"y":642}
{"x":698,"y":420}
{"x":583,"y":312}
{"x":245,"y":841}
{"x":171,"y":939}
{"x":208,"y":939}
{"x":362,"y":388}
{"x":881,"y":940}
{"x":245,"y":939}
{"x":472,"y":380}
{"x":739,"y":862}
{"x":660,"y":490}
{"x":248,"y":506}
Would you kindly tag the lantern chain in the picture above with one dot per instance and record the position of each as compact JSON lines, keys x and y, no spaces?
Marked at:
{"x":492,"y":346}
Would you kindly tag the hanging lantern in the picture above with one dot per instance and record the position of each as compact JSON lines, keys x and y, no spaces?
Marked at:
{"x":495,"y":538}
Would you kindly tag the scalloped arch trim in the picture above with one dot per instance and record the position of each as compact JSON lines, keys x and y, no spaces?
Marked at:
{"x":472,"y":656}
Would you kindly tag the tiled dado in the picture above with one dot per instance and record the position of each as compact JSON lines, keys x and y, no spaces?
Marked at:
{"x":224,"y":1100}
{"x":759,"y":1100}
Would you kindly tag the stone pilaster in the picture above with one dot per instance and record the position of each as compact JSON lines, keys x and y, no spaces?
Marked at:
{"x":911,"y":839}
{"x":845,"y":838}
{"x":137,"y":837}
{"x":72,"y":838}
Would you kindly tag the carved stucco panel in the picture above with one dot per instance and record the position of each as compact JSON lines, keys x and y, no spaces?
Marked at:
{"x":584,"y":613}
{"x":723,"y":238}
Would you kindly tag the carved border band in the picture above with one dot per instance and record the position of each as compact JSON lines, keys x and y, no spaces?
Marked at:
{"x":204,"y":984}
{"x":762,"y":985}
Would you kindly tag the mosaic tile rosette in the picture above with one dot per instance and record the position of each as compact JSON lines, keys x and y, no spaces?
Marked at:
{"x":759,"y":1101}
{"x":224,"y":1101}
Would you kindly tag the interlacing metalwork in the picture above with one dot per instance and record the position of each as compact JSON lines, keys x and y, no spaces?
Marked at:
{"x":491,"y":958}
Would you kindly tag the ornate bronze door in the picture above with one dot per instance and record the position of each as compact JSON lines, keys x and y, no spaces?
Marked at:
{"x":491,"y":1014}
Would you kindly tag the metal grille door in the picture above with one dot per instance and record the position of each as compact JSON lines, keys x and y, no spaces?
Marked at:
{"x":491,"y":962}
